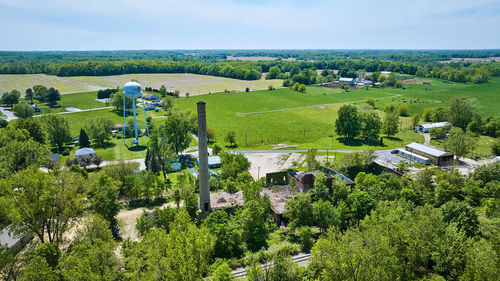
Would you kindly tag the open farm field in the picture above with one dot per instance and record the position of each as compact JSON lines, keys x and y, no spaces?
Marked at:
{"x":262,"y":118}
{"x":185,"y":83}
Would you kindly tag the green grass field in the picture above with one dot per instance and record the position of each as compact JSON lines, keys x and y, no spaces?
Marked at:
{"x":419,"y":97}
{"x":192,"y":83}
{"x":262,"y":118}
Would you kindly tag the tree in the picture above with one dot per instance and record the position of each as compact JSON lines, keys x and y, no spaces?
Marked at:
{"x":415,"y":119}
{"x":231,"y":138}
{"x":296,"y":86}
{"x":345,"y":87}
{"x":22,"y":110}
{"x":348,"y":123}
{"x":306,"y":238}
{"x":228,"y":235}
{"x":83,"y":140}
{"x":216,"y":149}
{"x":118,"y":101}
{"x":53,"y":96}
{"x":391,"y":123}
{"x":176,"y":131}
{"x":10,"y":98}
{"x":40,"y":92}
{"x":299,"y":211}
{"x":273,"y":73}
{"x":105,"y":201}
{"x":460,"y":143}
{"x":29,"y":94}
{"x":58,"y":129}
{"x":438,"y":133}
{"x":160,"y":152}
{"x":461,"y":112}
{"x":283,"y":268}
{"x":253,"y":220}
{"x":210,"y":134}
{"x":361,"y":203}
{"x":403,"y":110}
{"x":33,"y":126}
{"x":163,"y":91}
{"x":182,"y":254}
{"x":99,"y":128}
{"x":463,"y":215}
{"x":18,"y":151}
{"x":370,"y":126}
{"x":223,"y":273}
{"x":44,"y":204}
{"x":325,"y":215}
{"x":311,"y":161}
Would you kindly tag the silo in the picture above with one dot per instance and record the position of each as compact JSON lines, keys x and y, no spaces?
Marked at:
{"x":203,"y":159}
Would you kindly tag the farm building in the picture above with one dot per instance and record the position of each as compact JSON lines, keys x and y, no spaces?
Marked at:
{"x":414,"y":157}
{"x":85,"y":151}
{"x":436,"y":156}
{"x":425,"y":128}
{"x":349,"y":81}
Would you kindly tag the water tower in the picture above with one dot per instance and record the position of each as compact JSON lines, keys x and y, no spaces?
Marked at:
{"x":133,"y":91}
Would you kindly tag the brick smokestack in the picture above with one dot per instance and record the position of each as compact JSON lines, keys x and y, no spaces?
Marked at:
{"x":203,"y":159}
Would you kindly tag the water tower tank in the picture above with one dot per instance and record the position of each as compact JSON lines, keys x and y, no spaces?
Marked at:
{"x":132,"y":90}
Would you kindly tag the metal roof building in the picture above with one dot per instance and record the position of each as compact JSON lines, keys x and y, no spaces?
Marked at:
{"x":437,"y":157}
{"x":425,"y":128}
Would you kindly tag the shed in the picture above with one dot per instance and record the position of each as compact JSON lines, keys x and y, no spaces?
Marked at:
{"x":85,"y":151}
{"x":414,"y":157}
{"x":436,"y":156}
{"x":425,"y":128}
{"x":214,"y":162}
{"x":344,"y":80}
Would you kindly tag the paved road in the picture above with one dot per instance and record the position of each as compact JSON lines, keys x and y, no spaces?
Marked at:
{"x":289,"y":151}
{"x":427,"y":138}
{"x":10,"y":115}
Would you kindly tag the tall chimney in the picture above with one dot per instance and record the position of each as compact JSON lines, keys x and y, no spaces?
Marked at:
{"x":203,"y":159}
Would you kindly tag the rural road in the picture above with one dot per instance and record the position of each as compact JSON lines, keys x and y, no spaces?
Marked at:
{"x":427,"y":138}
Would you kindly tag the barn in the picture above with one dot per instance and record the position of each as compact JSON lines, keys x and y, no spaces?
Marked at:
{"x":425,"y":128}
{"x":436,"y":156}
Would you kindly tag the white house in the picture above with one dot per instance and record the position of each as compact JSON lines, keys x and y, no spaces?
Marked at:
{"x":85,"y":151}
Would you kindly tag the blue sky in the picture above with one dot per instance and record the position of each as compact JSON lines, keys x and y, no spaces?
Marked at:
{"x":245,"y":24}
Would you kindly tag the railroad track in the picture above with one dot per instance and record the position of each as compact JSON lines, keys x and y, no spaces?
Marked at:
{"x":242,"y":272}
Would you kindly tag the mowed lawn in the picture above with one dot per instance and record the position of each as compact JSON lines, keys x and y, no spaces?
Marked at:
{"x":263,"y":118}
{"x":184,"y":82}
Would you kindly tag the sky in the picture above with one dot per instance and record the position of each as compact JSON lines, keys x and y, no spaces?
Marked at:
{"x":245,"y":24}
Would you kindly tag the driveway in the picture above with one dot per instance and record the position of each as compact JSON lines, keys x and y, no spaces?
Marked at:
{"x":388,"y":157}
{"x":7,"y":112}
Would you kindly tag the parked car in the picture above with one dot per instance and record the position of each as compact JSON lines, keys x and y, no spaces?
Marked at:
{"x":395,"y":151}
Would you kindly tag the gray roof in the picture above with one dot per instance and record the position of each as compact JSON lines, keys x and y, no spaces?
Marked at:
{"x":85,"y":151}
{"x":343,"y":79}
{"x":426,"y":149}
{"x":214,"y":160}
{"x":435,"y":125}
{"x":8,"y":239}
{"x":413,"y":154}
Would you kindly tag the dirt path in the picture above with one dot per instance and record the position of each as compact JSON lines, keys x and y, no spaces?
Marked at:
{"x":427,"y":138}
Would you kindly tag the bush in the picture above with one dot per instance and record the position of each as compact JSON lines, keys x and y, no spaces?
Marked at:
{"x":296,"y":86}
{"x":287,"y":83}
{"x":438,"y":133}
{"x":403,"y":110}
{"x":3,"y":123}
{"x":306,"y":238}
{"x":302,"y":88}
{"x":495,"y":147}
{"x":370,"y":101}
{"x":270,"y":87}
